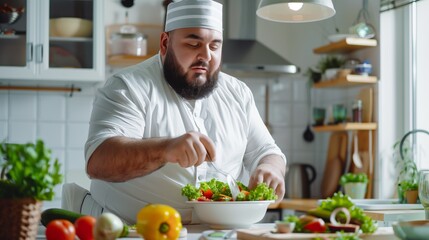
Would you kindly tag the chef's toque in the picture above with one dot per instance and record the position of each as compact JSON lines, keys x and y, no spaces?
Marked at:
{"x":194,"y":13}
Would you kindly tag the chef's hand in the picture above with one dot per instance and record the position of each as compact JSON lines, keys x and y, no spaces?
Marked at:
{"x":190,"y":149}
{"x":271,"y":170}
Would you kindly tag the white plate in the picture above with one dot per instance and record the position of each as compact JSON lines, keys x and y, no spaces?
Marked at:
{"x":338,"y":37}
{"x":383,"y":204}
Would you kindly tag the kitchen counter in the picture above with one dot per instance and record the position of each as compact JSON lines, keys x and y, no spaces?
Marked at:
{"x":195,"y":233}
{"x":304,"y":205}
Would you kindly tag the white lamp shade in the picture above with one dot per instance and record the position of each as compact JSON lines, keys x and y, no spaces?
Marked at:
{"x":310,"y":11}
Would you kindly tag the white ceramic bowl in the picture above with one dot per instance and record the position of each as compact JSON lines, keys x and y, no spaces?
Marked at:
{"x":416,"y":230}
{"x":70,"y":27}
{"x":229,"y":215}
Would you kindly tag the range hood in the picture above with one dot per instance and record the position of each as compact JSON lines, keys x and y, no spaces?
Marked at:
{"x":242,"y":53}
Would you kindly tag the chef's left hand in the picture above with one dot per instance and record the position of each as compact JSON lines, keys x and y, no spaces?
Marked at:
{"x":271,"y":170}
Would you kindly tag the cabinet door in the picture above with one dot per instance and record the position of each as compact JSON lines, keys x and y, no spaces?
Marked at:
{"x":17,"y":38}
{"x":71,"y":40}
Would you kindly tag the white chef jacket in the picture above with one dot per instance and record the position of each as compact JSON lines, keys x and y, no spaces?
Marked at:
{"x":138,"y":103}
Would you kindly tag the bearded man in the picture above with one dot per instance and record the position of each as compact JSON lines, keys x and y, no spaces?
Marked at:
{"x":154,"y":125}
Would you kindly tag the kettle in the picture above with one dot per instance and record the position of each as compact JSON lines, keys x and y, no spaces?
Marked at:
{"x":298,"y":180}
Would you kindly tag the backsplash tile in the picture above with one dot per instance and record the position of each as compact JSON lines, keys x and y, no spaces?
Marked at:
{"x":51,"y":107}
{"x":22,"y":132}
{"x":79,"y":108}
{"x":3,"y":106}
{"x":23,"y":106}
{"x":52,"y":133}
{"x":3,"y":130}
{"x":77,"y":134}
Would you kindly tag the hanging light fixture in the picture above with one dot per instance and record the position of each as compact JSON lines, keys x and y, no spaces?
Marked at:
{"x":291,"y":11}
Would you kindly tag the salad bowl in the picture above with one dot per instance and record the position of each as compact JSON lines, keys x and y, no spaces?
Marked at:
{"x":230,"y":214}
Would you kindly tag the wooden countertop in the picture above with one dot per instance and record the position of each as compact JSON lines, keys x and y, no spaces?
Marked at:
{"x":304,"y":205}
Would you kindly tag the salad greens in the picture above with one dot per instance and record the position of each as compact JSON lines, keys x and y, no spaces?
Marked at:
{"x":215,"y":190}
{"x":357,"y":215}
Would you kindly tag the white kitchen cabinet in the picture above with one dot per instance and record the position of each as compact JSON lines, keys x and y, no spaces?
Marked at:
{"x":33,"y":54}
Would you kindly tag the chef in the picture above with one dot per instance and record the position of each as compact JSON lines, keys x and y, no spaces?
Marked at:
{"x":155,"y":125}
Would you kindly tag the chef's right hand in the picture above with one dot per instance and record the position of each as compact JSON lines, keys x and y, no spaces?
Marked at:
{"x":190,"y":149}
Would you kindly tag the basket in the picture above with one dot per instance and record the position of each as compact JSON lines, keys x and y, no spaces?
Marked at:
{"x":19,"y":218}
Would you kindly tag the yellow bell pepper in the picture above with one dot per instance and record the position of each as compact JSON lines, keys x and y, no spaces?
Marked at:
{"x":159,"y":222}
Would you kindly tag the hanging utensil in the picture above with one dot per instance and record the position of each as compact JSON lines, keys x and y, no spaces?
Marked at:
{"x":356,"y":158}
{"x":308,"y":135}
{"x":361,"y":26}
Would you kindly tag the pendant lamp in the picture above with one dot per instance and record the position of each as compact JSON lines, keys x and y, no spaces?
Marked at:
{"x":294,"y":11}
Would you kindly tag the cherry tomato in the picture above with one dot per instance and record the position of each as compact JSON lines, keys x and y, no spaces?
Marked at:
{"x":208,"y":193}
{"x":316,"y":226}
{"x":60,"y":229}
{"x":84,"y":227}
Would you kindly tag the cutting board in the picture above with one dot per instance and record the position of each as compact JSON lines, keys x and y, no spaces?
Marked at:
{"x":383,"y":233}
{"x":335,"y":163}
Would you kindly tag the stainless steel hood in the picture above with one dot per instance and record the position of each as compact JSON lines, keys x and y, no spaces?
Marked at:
{"x":242,"y":53}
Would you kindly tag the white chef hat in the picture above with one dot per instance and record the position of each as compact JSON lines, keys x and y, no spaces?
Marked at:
{"x":194,"y":13}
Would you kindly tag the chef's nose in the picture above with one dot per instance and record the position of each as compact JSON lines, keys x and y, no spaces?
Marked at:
{"x":205,"y":54}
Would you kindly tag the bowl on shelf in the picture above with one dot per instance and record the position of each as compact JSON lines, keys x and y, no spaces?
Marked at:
{"x":9,"y":14}
{"x":70,"y":27}
{"x":363,"y":69}
{"x":230,"y":214}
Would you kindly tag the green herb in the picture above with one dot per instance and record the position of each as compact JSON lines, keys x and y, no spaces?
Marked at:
{"x":353,"y":178}
{"x":27,"y":171}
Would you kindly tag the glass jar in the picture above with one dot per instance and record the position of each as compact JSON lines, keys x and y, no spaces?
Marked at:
{"x":357,"y":111}
{"x":134,"y":44}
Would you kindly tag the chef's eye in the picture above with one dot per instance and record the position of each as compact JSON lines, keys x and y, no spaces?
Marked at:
{"x":193,"y":44}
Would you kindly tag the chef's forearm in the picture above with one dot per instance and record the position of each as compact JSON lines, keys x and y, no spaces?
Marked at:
{"x":120,"y":159}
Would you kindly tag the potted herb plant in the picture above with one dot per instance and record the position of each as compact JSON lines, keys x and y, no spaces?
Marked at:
{"x":28,"y":177}
{"x":354,"y":184}
{"x":330,"y":65}
{"x":408,"y":171}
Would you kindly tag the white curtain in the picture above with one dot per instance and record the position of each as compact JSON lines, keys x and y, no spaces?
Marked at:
{"x":404,"y":83}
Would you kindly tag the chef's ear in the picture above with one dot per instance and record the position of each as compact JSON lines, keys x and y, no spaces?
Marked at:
{"x":163,"y":44}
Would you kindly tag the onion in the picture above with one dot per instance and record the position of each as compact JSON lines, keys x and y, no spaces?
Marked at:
{"x":108,"y":227}
{"x":338,"y":210}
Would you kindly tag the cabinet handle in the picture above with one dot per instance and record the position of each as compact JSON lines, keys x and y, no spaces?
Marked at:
{"x":29,"y":52}
{"x":39,"y":53}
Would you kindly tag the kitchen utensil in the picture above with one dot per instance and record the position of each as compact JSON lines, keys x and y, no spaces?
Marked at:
{"x":298,"y":180}
{"x":361,"y":26}
{"x":232,"y":183}
{"x":308,"y":135}
{"x":356,"y":159}
{"x":335,"y":163}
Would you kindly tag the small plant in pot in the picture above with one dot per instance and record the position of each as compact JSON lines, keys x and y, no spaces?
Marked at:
{"x":408,"y":171}
{"x":28,"y":177}
{"x":354,"y":184}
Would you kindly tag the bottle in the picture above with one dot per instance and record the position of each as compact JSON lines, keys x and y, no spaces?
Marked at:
{"x":357,"y":111}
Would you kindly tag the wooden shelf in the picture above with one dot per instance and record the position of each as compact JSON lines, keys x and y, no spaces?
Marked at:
{"x":345,"y":127}
{"x":346,"y":81}
{"x":346,"y":45}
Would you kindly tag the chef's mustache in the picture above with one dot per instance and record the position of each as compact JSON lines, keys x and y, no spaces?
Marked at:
{"x":200,"y":64}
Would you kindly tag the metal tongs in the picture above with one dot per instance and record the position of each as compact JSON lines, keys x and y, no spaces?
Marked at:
{"x":231,"y":181}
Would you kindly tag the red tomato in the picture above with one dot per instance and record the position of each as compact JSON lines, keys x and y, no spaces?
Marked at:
{"x":60,"y":229}
{"x":208,"y":193}
{"x":84,"y":227}
{"x":316,"y":226}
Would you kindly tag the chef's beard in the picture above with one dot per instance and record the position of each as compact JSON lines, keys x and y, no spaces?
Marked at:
{"x":188,"y":88}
